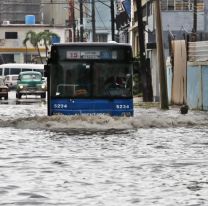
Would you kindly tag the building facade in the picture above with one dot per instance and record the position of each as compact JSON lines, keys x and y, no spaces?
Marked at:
{"x":15,"y":11}
{"x":177,"y":21}
{"x":11,"y":42}
{"x":67,"y":13}
{"x":61,"y":17}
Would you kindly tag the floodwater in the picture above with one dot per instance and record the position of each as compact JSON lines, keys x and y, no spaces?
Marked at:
{"x":156,"y":158}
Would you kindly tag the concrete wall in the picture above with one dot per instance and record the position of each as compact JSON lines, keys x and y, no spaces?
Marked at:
{"x":54,"y":14}
{"x":197,"y":85}
{"x":176,"y":22}
{"x":15,"y":11}
{"x":179,"y":20}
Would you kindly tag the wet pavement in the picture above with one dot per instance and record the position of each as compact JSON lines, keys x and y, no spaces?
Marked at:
{"x":156,"y":158}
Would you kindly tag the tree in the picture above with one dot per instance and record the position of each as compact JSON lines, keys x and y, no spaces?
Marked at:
{"x":46,"y":37}
{"x":25,"y":44}
{"x":36,"y":38}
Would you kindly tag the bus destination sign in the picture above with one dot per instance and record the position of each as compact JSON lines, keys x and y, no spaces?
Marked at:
{"x":91,"y":55}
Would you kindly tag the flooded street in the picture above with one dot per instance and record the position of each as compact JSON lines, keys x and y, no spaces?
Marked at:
{"x":156,"y":158}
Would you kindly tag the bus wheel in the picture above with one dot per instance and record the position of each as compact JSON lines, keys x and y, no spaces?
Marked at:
{"x":43,"y":95}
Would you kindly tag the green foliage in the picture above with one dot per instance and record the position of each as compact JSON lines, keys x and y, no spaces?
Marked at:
{"x":46,"y":37}
{"x":137,"y":85}
{"x":37,"y":38}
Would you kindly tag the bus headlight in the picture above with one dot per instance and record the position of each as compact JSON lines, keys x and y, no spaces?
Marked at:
{"x":21,"y":86}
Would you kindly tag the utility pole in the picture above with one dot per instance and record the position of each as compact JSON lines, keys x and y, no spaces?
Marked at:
{"x":93,"y":21}
{"x":161,"y":60}
{"x":146,"y":79}
{"x":81,"y":20}
{"x":112,"y":20}
{"x":71,"y":20}
{"x":206,"y":16}
{"x":195,"y":17}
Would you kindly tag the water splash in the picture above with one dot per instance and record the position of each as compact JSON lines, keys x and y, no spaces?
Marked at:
{"x":144,"y":118}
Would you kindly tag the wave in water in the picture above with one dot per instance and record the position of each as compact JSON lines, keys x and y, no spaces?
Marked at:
{"x":143,"y":119}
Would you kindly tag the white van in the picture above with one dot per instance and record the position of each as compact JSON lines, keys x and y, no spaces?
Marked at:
{"x":11,"y":81}
{"x":15,"y":68}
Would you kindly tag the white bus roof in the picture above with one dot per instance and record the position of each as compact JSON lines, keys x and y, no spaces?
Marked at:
{"x":27,"y":66}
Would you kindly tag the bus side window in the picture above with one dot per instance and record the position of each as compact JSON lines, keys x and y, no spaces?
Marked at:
{"x":25,"y":70}
{"x":6,"y":71}
{"x":15,"y":70}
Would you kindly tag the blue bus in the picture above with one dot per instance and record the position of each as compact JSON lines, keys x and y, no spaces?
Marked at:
{"x":90,"y":78}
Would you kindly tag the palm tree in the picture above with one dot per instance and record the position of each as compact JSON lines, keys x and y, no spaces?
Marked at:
{"x":36,"y":38}
{"x":47,"y":37}
{"x":25,"y":44}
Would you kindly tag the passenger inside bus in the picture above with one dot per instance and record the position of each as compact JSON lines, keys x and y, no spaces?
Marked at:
{"x":115,"y":85}
{"x":113,"y":82}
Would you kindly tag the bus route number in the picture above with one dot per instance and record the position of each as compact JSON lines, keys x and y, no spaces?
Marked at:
{"x":73,"y":55}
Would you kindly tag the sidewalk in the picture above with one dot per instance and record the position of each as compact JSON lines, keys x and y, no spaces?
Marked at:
{"x":138,"y":102}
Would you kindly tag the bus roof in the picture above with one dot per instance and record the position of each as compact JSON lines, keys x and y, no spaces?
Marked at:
{"x":98,"y":44}
{"x":17,"y":65}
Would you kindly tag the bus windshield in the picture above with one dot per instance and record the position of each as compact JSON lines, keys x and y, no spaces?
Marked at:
{"x":91,"y":79}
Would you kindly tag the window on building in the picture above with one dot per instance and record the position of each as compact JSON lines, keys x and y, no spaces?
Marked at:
{"x":170,"y":4}
{"x":101,"y":37}
{"x":6,"y":58}
{"x":181,"y":5}
{"x":27,"y":58}
{"x":149,"y":9}
{"x":10,"y":35}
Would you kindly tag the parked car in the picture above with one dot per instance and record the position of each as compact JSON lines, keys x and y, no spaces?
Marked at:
{"x":30,"y":83}
{"x":3,"y":89}
{"x":11,"y":81}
